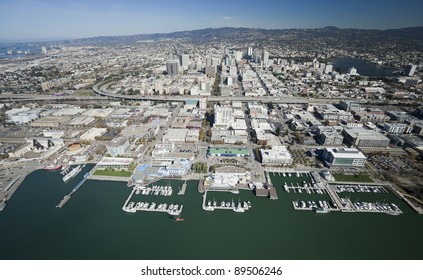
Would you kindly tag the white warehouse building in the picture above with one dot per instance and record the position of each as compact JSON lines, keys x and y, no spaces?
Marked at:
{"x":118,"y":146}
{"x":277,"y":155}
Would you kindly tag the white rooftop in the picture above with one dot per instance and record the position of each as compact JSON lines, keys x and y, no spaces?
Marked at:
{"x":346,"y":153}
{"x":277,"y":152}
{"x":115,"y":161}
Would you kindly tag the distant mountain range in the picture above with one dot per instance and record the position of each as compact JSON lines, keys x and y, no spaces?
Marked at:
{"x":353,"y":39}
{"x":410,"y":35}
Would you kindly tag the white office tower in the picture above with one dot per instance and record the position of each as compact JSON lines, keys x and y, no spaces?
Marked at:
{"x":43,"y":50}
{"x":184,"y":59}
{"x":256,"y":56}
{"x":238,"y":56}
{"x":232,"y":71}
{"x":215,"y":61}
{"x":265,"y":57}
{"x":227,"y":61}
{"x":328,"y":69}
{"x":203,"y":103}
{"x":172,"y":67}
{"x":198,"y":63}
{"x":208,"y":61}
{"x":410,"y":69}
{"x":250,"y":51}
{"x":205,"y":86}
{"x":229,"y":81}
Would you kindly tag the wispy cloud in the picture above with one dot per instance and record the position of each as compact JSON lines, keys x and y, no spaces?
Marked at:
{"x":229,"y":18}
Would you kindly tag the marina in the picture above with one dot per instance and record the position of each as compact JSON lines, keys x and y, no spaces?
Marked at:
{"x":239,"y":207}
{"x":304,"y":188}
{"x":97,"y":208}
{"x":154,"y":190}
{"x":172,"y":209}
{"x":320,"y":206}
{"x":300,"y":182}
{"x":378,"y":207}
{"x":359,"y":188}
{"x":292,"y":184}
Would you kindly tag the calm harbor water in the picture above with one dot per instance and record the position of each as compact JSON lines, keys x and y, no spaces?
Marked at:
{"x":31,"y":49}
{"x":92,"y":225}
{"x":364,"y":68}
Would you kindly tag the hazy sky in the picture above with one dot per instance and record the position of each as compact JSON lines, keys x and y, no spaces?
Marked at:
{"x":41,"y":19}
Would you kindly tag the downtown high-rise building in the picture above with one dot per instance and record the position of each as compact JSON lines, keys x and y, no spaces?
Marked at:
{"x":265,"y":57}
{"x":172,"y":67}
{"x":184,"y":61}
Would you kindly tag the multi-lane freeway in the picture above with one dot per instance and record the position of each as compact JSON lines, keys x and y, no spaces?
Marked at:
{"x":101,"y":94}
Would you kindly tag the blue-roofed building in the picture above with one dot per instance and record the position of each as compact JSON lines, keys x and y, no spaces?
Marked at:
{"x":146,"y":173}
{"x":191,"y":103}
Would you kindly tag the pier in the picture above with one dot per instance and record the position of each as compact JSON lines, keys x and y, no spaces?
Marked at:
{"x":127,"y":200}
{"x":67,"y":197}
{"x":184,"y":187}
{"x":201,"y":187}
{"x":344,"y":205}
{"x":269,"y":182}
{"x":272,"y":193}
{"x":309,"y":188}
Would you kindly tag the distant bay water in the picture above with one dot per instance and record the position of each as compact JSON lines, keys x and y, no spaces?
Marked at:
{"x":364,"y":68}
{"x":23,"y":49}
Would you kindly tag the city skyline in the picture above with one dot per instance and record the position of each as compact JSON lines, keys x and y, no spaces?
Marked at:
{"x":51,"y":19}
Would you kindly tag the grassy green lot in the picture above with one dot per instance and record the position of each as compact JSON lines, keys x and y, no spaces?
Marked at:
{"x":117,"y":173}
{"x":361,"y":178}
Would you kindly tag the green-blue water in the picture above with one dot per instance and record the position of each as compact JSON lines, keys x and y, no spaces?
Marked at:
{"x":92,"y":225}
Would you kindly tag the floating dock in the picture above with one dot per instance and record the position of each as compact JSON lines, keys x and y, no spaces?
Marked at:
{"x":223,"y":205}
{"x":154,"y":190}
{"x":339,"y":188}
{"x":131,"y":207}
{"x":172,"y":209}
{"x":318,"y":207}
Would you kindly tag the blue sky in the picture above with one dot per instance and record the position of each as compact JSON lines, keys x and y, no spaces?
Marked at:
{"x":42,"y":19}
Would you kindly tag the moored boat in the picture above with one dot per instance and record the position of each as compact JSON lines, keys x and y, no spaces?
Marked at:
{"x":72,"y":173}
{"x":320,"y":210}
{"x":53,"y":167}
{"x":2,"y":205}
